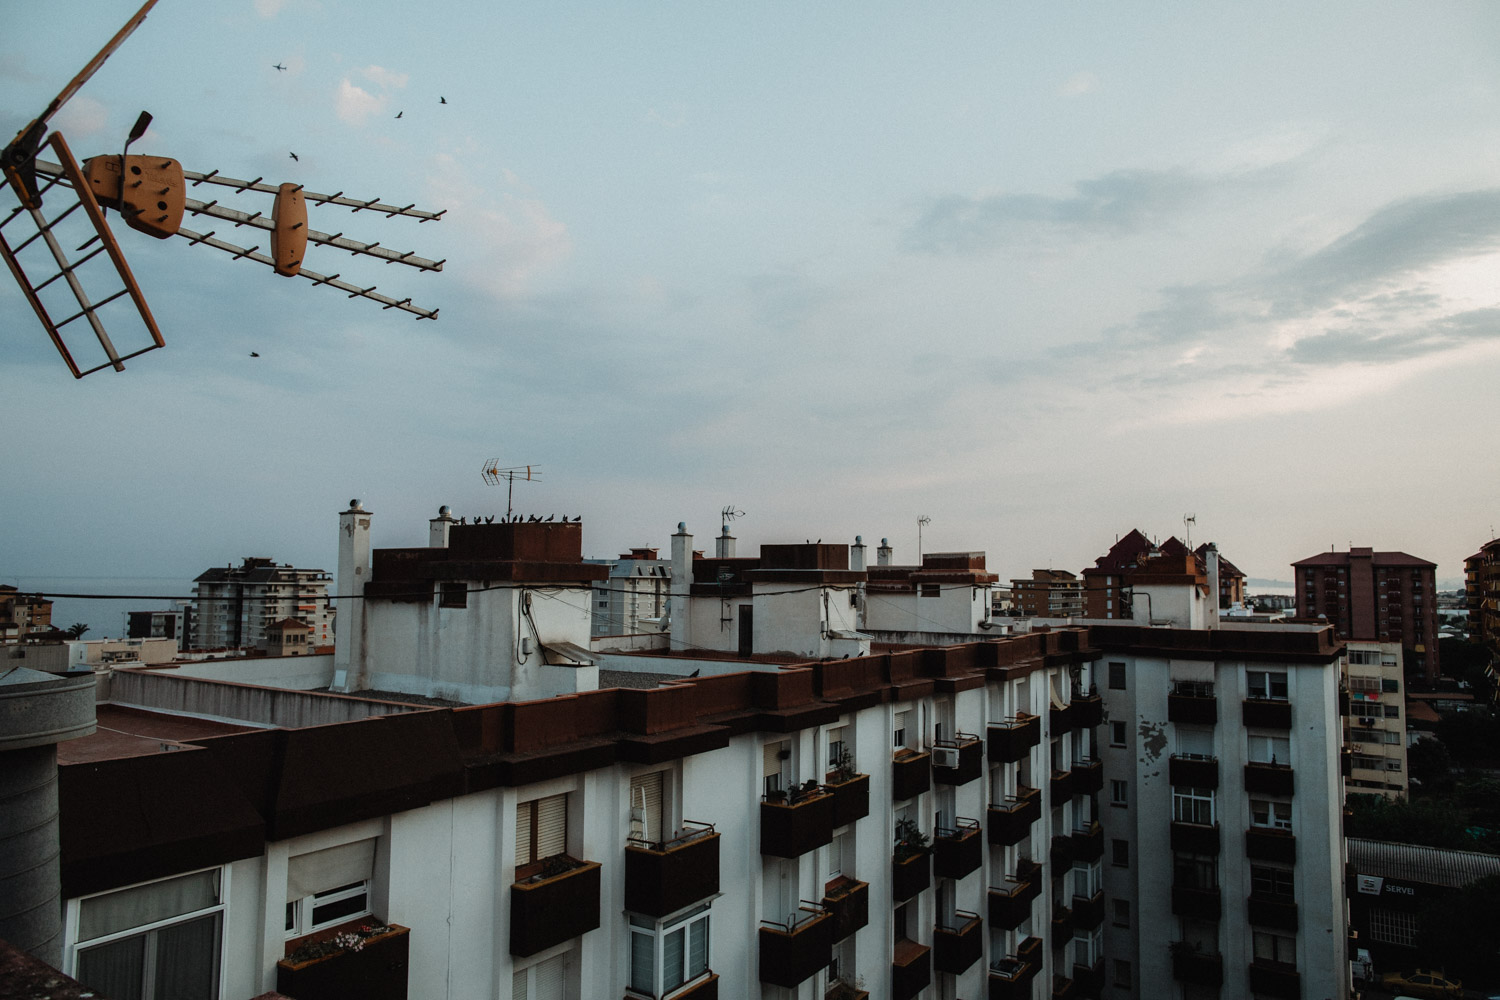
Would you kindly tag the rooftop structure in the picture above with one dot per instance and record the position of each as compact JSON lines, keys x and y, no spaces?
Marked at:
{"x":1382,"y":596}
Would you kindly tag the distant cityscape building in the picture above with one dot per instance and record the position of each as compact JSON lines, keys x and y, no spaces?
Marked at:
{"x":168,"y":624}
{"x":1231,"y":580}
{"x":1382,"y":596}
{"x":1276,"y":602}
{"x":1134,"y":560}
{"x":234,"y":607}
{"x":1374,"y":729}
{"x":1050,"y":593}
{"x":1482,"y":593}
{"x":633,"y":599}
{"x":23,"y":615}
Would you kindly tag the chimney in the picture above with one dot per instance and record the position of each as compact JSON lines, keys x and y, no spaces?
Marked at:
{"x":725,"y":547}
{"x":857,"y":554}
{"x":682,"y":583}
{"x":353,"y":574}
{"x":1211,"y":557}
{"x":437,"y":528}
{"x":883,"y":554}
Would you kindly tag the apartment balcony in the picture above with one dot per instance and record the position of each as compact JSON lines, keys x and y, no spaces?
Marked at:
{"x":1193,"y":771}
{"x":1061,"y":930}
{"x":1060,"y":719}
{"x":1088,"y":711}
{"x":851,"y":799}
{"x":1195,"y":838}
{"x":911,"y":774}
{"x":1268,"y":779}
{"x":1010,"y":902}
{"x":1010,"y":823}
{"x":1089,"y":980}
{"x":1346,"y":761}
{"x":1268,"y":713}
{"x":957,"y":946}
{"x":957,"y":850}
{"x":554,"y":906}
{"x":792,"y":953}
{"x":1013,"y":739}
{"x":1265,"y":844}
{"x":1064,"y":988}
{"x":1088,"y":911}
{"x":1030,"y":950}
{"x":1197,"y":968}
{"x":1273,"y":911}
{"x":1197,"y":903}
{"x":1088,"y":843}
{"x":840,"y":990}
{"x":911,"y":969}
{"x":791,"y":825}
{"x":1196,"y":706}
{"x":1088,"y":775}
{"x":966,"y":752}
{"x":1010,"y":977}
{"x":664,"y":877}
{"x":1061,"y":854}
{"x":910,"y":875}
{"x":1062,"y":786}
{"x":848,"y":902}
{"x":376,"y":972}
{"x":1275,"y":979}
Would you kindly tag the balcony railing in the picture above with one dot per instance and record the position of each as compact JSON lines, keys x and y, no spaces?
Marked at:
{"x":957,"y":850}
{"x":1088,"y":775}
{"x":1088,"y":911}
{"x":1011,"y":822}
{"x":791,"y":953}
{"x":911,"y":774}
{"x":1199,"y":968}
{"x":1193,"y":770}
{"x":1267,"y":844}
{"x":848,"y":901}
{"x":1268,"y":713}
{"x":1088,"y":711}
{"x":793,"y":825}
{"x":1010,"y":978}
{"x":1061,"y":853}
{"x":1013,"y":738}
{"x":1062,"y":786}
{"x":1275,"y":979}
{"x":1010,"y":902}
{"x":1195,"y":838}
{"x":1089,"y":979}
{"x":1197,"y":902}
{"x":970,"y":760}
{"x":666,"y":876}
{"x":554,"y":906}
{"x":958,"y":945}
{"x":851,"y":798}
{"x":911,"y":969}
{"x":1060,"y":719}
{"x":1194,"y":703}
{"x":1088,"y":843}
{"x":1268,"y":779}
{"x":910,"y":875}
{"x":1273,"y":911}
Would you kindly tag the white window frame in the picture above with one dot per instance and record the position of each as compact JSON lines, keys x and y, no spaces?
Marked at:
{"x":1187,"y":801}
{"x":1268,"y":749}
{"x":659,"y":931}
{"x":1271,"y":815}
{"x":1262,"y":684}
{"x":300,"y":911}
{"x":74,"y":948}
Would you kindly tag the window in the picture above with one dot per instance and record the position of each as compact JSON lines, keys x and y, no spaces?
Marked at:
{"x":1268,"y":881}
{"x":1392,"y":711}
{"x":1117,"y":677}
{"x":1088,"y":879}
{"x":667,"y":954}
{"x":1088,"y":946}
{"x":838,"y":746}
{"x":328,"y":887}
{"x":542,"y":981}
{"x":1117,"y":734}
{"x":1270,"y":750}
{"x":1117,"y":792}
{"x":1268,"y":684}
{"x":1393,"y":927}
{"x":776,"y":759}
{"x":1195,"y":744}
{"x":1193,"y":805}
{"x":932,"y":590}
{"x":1275,"y":815}
{"x":1119,"y":853}
{"x":541,"y":832}
{"x":455,"y":594}
{"x":1122,"y":973}
{"x":898,"y":733}
{"x":1276,"y":948}
{"x":1121,"y":912}
{"x":1195,"y":871}
{"x":1364,"y":656}
{"x":645,"y":807}
{"x":161,"y":939}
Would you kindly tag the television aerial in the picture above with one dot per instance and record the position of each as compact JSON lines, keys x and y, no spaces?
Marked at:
{"x":150,"y":193}
{"x":495,"y":475}
{"x":729,"y":513}
{"x":1188,"y":520}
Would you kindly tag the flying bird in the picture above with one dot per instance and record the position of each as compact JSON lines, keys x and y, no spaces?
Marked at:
{"x":255,"y":354}
{"x":400,"y":113}
{"x":279,"y":67}
{"x":442,"y":100}
{"x":295,"y":157}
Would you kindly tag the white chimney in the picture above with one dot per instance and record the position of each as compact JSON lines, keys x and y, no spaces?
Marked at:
{"x":354,"y":573}
{"x":437,"y":528}
{"x":682,"y":583}
{"x":883,"y":554}
{"x":857,"y":554}
{"x":724,"y":548}
{"x":1211,"y":619}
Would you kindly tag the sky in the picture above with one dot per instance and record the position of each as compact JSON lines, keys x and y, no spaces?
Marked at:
{"x":1042,"y":273}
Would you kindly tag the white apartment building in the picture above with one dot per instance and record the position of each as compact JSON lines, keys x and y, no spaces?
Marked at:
{"x":1374,"y":701}
{"x":233,"y":606}
{"x":632,"y":601}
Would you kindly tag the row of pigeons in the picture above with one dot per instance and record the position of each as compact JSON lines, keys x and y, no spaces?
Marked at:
{"x":518,"y":519}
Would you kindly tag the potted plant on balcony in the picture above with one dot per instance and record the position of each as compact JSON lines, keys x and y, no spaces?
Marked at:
{"x":841,"y":768}
{"x":332,"y":967}
{"x":846,"y":988}
{"x":910,"y":841}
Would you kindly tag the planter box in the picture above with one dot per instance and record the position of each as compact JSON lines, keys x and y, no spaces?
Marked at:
{"x":665,"y":878}
{"x":789,"y":957}
{"x":553,"y":910}
{"x":1273,"y":912}
{"x":1193,"y":772}
{"x":790,"y":831}
{"x":1013,"y":739}
{"x":1192,"y":709}
{"x":957,"y":855}
{"x":910,"y":876}
{"x":1198,"y":968}
{"x":1268,"y":779}
{"x":911,"y":775}
{"x":1267,"y":713}
{"x":970,"y":763}
{"x":1009,"y":824}
{"x":375,"y":972}
{"x":1197,"y":904}
{"x":851,"y":800}
{"x":912,"y":970}
{"x":850,"y":909}
{"x":954,"y":949}
{"x":1195,"y":838}
{"x":1270,"y":845}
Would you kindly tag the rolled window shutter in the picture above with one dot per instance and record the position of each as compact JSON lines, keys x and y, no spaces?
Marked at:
{"x":518,"y":985}
{"x":524,"y":813}
{"x":551,"y":976}
{"x":552,"y":826}
{"x":771,"y":758}
{"x":320,"y":871}
{"x":645,"y":806}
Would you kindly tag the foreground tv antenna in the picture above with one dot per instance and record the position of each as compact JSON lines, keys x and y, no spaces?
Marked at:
{"x":494,"y":475}
{"x":150,"y":193}
{"x":729,"y":513}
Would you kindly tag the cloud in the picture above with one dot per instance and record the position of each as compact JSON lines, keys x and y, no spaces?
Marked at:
{"x":385,"y":79}
{"x":269,"y":8}
{"x":1377,"y":346}
{"x":81,"y":116}
{"x":1078,"y":84}
{"x":354,"y":104}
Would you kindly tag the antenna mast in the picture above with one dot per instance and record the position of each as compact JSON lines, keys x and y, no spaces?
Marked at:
{"x":493,"y":475}
{"x":729,"y":513}
{"x":1188,"y":520}
{"x":922,"y":521}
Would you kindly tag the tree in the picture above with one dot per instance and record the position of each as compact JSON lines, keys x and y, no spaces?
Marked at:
{"x":75,"y":630}
{"x":1460,"y":932}
{"x":1428,"y":764}
{"x":1434,"y":823}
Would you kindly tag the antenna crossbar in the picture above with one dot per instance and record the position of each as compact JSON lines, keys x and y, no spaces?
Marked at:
{"x":260,"y":221}
{"x":373,"y":204}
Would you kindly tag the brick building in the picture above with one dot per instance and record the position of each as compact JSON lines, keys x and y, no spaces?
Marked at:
{"x":1382,"y":596}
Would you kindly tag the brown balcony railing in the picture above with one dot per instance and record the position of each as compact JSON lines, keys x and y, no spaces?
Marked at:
{"x":957,"y":945}
{"x":1199,"y":968}
{"x":1010,"y":977}
{"x":553,"y":906}
{"x":1088,"y":911}
{"x":1193,"y":770}
{"x":796,"y":824}
{"x":1088,"y":711}
{"x":1061,"y":853}
{"x":1193,"y":703}
{"x":1088,"y":843}
{"x":847,"y":900}
{"x":1196,"y":902}
{"x":790,"y":953}
{"x":1268,"y":779}
{"x":910,"y":875}
{"x":1010,"y":902}
{"x":1266,"y":844}
{"x":1011,"y":822}
{"x":1062,"y":786}
{"x":1268,"y":713}
{"x":1012,"y":739}
{"x":911,"y":969}
{"x":911,"y":774}
{"x":1061,"y":719}
{"x":1275,"y":979}
{"x":851,"y":798}
{"x":1088,"y":775}
{"x":666,"y":876}
{"x":1273,"y":911}
{"x":957,"y":850}
{"x":1195,"y":838}
{"x":970,"y":765}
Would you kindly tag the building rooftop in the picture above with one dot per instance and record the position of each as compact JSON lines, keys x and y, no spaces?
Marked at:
{"x":1413,"y":862}
{"x":134,"y":732}
{"x":1379,"y":558}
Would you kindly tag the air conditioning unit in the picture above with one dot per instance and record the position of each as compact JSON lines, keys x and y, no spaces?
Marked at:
{"x":1366,"y":721}
{"x":945,"y":756}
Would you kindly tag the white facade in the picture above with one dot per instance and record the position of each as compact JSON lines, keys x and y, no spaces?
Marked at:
{"x":1375,"y":724}
{"x":233,"y":607}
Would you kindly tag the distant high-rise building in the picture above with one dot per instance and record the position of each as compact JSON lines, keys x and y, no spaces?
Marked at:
{"x":1136,"y":561}
{"x":1050,"y":593}
{"x":633,"y":600}
{"x":1382,"y":596}
{"x":1482,"y":581}
{"x":23,"y":615}
{"x":234,"y":606}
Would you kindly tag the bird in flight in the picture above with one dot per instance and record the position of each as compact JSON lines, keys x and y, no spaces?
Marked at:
{"x":255,"y":354}
{"x":400,"y":113}
{"x":279,"y":67}
{"x":295,"y":157}
{"x":442,"y":100}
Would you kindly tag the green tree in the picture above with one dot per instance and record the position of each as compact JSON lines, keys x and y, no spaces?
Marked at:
{"x":75,"y":630}
{"x":1430,"y":767}
{"x":1472,"y":736}
{"x":1435,"y":823}
{"x":1460,"y":932}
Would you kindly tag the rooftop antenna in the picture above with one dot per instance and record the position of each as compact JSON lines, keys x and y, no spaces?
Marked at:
{"x":729,"y":513}
{"x":1188,"y":520}
{"x":922,"y":521}
{"x":150,"y":193}
{"x":494,"y":475}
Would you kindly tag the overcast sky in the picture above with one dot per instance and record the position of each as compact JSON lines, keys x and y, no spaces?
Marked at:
{"x":1042,"y":272}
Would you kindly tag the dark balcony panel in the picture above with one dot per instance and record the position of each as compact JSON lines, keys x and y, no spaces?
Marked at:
{"x":1195,"y":772}
{"x":911,"y":775}
{"x":1061,"y":719}
{"x":1268,"y":713}
{"x":376,"y":972}
{"x":1088,"y":911}
{"x":1010,"y":978}
{"x":1062,"y":854}
{"x":1061,"y":931}
{"x":1195,"y":838}
{"x":849,"y":906}
{"x":1062,"y":786}
{"x":554,"y":909}
{"x":1273,"y":979}
{"x":1010,"y":823}
{"x":708,"y":989}
{"x":1273,"y":911}
{"x":664,"y":878}
{"x":957,"y":852}
{"x":1064,"y":988}
{"x":1088,"y":711}
{"x":1270,"y":845}
{"x":1088,"y":776}
{"x":911,"y":971}
{"x":1346,"y":761}
{"x":1196,"y":904}
{"x":1089,"y":980}
{"x":1268,"y":779}
{"x":954,"y":949}
{"x":1192,"y":709}
{"x":790,"y":830}
{"x":1088,"y":844}
{"x":1343,"y":702}
{"x":788,"y":956}
{"x":970,"y":762}
{"x":851,"y":800}
{"x":1010,"y":903}
{"x":1200,"y":968}
{"x":1012,"y":739}
{"x":910,"y":876}
{"x":1030,"y":952}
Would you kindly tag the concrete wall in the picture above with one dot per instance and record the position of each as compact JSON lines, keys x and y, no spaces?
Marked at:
{"x":233,"y":702}
{"x":957,"y":608}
